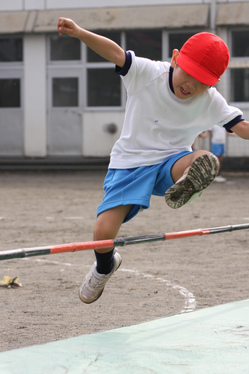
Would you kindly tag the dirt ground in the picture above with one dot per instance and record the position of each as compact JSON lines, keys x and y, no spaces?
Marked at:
{"x":155,"y":279}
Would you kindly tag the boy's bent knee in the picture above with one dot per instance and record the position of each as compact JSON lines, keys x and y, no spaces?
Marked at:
{"x":181,"y":166}
{"x":199,"y":153}
{"x":109,"y":222}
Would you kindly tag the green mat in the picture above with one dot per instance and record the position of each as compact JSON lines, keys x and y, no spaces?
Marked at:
{"x":213,"y":340}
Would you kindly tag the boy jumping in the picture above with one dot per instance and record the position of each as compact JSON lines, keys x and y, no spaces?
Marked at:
{"x":168,"y":105}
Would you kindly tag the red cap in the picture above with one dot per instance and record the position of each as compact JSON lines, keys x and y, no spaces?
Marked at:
{"x":205,"y":57}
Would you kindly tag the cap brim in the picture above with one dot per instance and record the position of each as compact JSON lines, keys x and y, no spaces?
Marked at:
{"x":196,"y":71}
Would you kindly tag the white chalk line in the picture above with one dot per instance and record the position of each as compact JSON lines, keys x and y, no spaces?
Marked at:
{"x":46,"y":261}
{"x":190,"y":300}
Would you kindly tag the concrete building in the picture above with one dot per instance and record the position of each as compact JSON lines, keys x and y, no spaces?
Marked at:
{"x":55,"y":100}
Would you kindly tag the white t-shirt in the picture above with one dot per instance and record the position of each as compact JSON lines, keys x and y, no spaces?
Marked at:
{"x":157,"y":124}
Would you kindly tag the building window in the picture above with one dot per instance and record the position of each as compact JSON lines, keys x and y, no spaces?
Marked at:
{"x":176,"y":41}
{"x":10,"y":93}
{"x":239,"y":66}
{"x":103,"y":88}
{"x":103,"y":85}
{"x":240,"y":45}
{"x":11,"y":49}
{"x":240,"y":85}
{"x":145,"y":43}
{"x":64,"y":48}
{"x":113,"y":35}
{"x":65,"y":92}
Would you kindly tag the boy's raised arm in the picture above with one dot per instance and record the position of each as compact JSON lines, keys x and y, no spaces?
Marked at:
{"x":103,"y":46}
{"x":241,"y":129}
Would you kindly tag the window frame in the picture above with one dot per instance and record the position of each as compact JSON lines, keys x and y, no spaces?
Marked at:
{"x":13,"y":70}
{"x":14,"y":63}
{"x":101,"y":65}
{"x":236,"y":63}
{"x":165,"y":39}
{"x":61,"y":62}
{"x":64,"y":72}
{"x":69,"y":67}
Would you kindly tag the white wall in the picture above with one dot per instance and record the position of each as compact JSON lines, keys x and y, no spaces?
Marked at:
{"x":11,"y":5}
{"x":97,"y":140}
{"x":112,"y":3}
{"x":65,"y":4}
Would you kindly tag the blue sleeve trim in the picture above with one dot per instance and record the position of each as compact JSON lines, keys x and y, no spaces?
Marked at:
{"x":232,"y":123}
{"x":124,"y":70}
{"x":171,"y":70}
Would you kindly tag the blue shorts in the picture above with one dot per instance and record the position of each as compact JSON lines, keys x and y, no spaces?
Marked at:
{"x":135,"y":186}
{"x":218,"y":149}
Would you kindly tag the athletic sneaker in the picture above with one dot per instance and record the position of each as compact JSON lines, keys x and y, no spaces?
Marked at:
{"x":200,"y":174}
{"x":94,"y":283}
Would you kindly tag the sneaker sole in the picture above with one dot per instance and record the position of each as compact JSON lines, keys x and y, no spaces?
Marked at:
{"x":201,"y":173}
{"x":86,"y":301}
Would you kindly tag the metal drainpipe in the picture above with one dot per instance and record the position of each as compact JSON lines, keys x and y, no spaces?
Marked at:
{"x":213,"y":10}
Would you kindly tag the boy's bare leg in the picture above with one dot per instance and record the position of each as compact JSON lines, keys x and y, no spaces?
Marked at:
{"x":108,"y":261}
{"x":108,"y":224}
{"x":191,"y":174}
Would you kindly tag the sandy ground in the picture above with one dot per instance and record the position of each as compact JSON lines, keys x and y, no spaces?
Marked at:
{"x":155,"y":280}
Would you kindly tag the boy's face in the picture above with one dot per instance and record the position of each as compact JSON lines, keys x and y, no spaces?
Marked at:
{"x":184,"y":85}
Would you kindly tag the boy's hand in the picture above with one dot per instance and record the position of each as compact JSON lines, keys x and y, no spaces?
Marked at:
{"x":67,"y":26}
